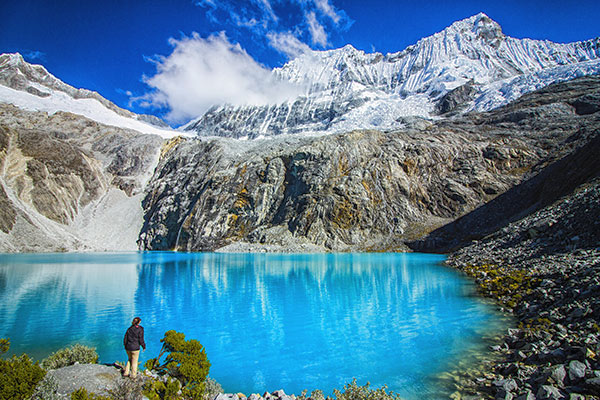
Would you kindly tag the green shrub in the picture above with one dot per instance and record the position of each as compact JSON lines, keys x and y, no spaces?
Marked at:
{"x":185,"y":361}
{"x":68,"y":356}
{"x":212,"y":388}
{"x":158,"y":390}
{"x":18,"y":375}
{"x":354,"y":392}
{"x":83,"y":394}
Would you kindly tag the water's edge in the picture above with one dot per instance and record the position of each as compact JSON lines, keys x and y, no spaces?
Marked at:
{"x":445,"y":378}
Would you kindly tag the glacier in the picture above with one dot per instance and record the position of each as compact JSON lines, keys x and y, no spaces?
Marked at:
{"x":347,"y":89}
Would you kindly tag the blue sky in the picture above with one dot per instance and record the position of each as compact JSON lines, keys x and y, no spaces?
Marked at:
{"x":124,"y":49}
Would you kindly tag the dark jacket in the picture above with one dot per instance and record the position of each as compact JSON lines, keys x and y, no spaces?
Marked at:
{"x":134,"y":338}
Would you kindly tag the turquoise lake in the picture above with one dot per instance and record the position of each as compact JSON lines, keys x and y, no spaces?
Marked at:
{"x":267,"y":321}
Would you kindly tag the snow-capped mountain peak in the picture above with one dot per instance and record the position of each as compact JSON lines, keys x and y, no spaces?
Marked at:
{"x":348,"y":89}
{"x":479,"y":27}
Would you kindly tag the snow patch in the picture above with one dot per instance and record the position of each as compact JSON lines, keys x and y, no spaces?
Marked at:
{"x":112,"y":223}
{"x":89,"y":108}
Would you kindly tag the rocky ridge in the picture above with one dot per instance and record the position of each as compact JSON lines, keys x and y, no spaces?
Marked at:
{"x":556,"y":175}
{"x":17,"y":74}
{"x":363,"y":190}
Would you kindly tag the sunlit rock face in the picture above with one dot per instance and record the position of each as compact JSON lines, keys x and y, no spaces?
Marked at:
{"x":73,"y":165}
{"x":347,"y":89}
{"x":70,"y":183}
{"x":362,"y":190}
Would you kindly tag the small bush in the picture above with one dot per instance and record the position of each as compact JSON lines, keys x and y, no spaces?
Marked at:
{"x":18,"y":375}
{"x":213,"y":388}
{"x":47,"y":389}
{"x":68,"y":356}
{"x":83,"y":394}
{"x":354,"y":392}
{"x":159,"y":390}
{"x":127,"y":389}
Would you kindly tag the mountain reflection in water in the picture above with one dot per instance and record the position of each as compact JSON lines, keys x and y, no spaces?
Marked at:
{"x":267,"y":321}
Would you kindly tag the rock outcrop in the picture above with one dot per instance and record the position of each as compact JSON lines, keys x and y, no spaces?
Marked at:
{"x":558,"y":173}
{"x":94,"y":378}
{"x":68,"y":183}
{"x":363,"y":190}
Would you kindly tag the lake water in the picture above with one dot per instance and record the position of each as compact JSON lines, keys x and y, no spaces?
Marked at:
{"x":267,"y":321}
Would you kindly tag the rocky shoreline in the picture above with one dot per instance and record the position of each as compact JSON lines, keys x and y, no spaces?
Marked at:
{"x":545,"y":270}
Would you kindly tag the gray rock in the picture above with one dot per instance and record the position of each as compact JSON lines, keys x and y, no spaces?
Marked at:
{"x":558,"y":374}
{"x":577,"y":370}
{"x":549,"y":392}
{"x":528,"y":395}
{"x":95,"y":378}
{"x":456,"y":99}
{"x":594,"y":385}
{"x":503,"y":395}
{"x":226,"y":396}
{"x":507,"y":385}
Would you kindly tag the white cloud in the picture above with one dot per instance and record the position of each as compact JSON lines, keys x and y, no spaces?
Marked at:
{"x":245,"y":23}
{"x":265,"y":6}
{"x":317,"y":32}
{"x":203,"y":72}
{"x":327,"y":9}
{"x":312,"y":19}
{"x":288,"y":44}
{"x":206,"y":3}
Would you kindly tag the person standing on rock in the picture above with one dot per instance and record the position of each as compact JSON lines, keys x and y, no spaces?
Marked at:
{"x":134,"y":338}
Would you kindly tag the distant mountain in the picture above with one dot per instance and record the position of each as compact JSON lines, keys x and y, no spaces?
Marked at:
{"x":471,"y":65}
{"x":31,"y":87}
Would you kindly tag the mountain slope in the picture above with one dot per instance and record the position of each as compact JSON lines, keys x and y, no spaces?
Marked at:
{"x":346,"y":89}
{"x":73,"y":165}
{"x":70,"y":183}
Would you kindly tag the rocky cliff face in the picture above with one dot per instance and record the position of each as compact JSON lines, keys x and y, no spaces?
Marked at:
{"x":69,"y":183}
{"x":346,"y":89}
{"x":362,"y":190}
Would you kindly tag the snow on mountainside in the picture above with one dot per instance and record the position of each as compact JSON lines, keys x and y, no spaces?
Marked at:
{"x":33,"y":88}
{"x":347,"y":89}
